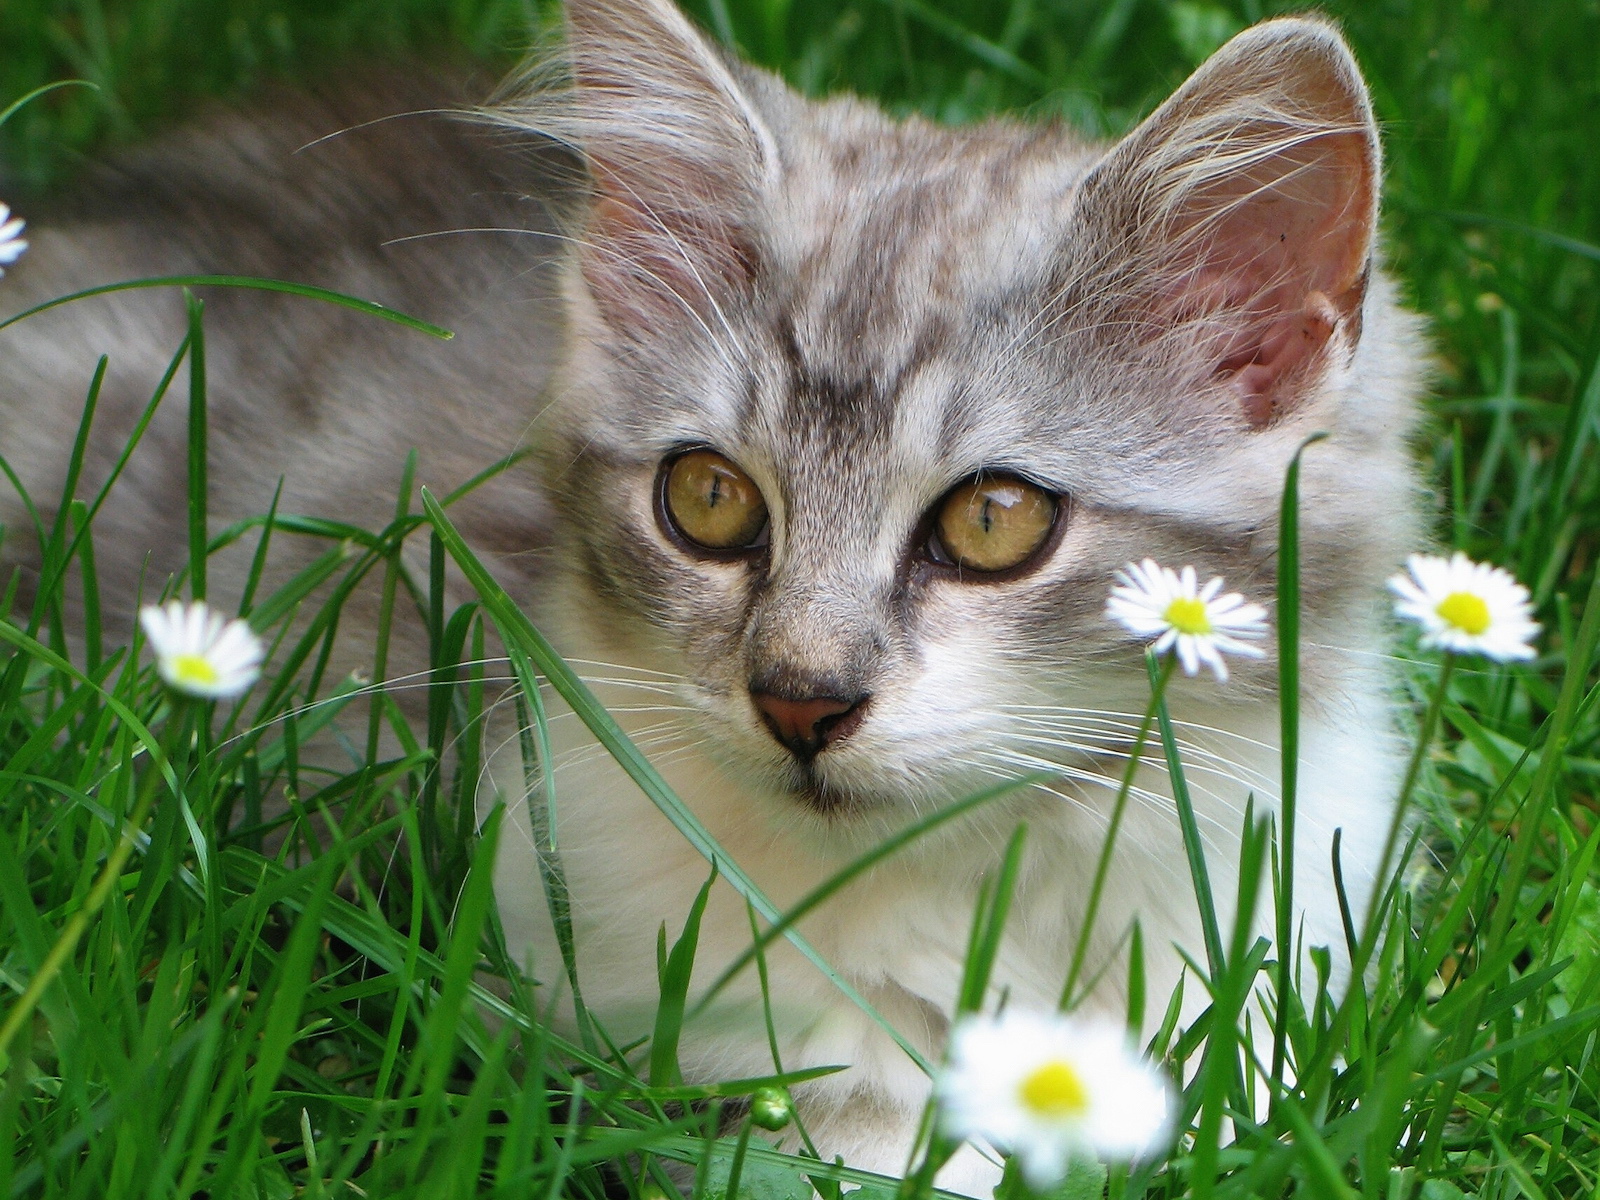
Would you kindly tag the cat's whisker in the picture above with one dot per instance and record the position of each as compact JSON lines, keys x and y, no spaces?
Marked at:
{"x":643,"y":737}
{"x":1423,"y":666}
{"x":669,"y":676}
{"x":1083,"y":807}
{"x":1159,"y":801}
{"x":1024,"y":762}
{"x":1069,"y":730}
{"x":638,"y":685}
{"x":1133,"y":720}
{"x":578,"y":757}
{"x":412,"y":681}
{"x":1001,"y":770}
{"x":1214,"y":765}
{"x":633,"y":262}
{"x":1119,"y":730}
{"x":1146,"y":800}
{"x":1115,"y":733}
{"x":566,"y":714}
{"x":646,"y":737}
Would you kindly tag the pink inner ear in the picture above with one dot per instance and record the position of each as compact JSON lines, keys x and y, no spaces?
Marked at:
{"x":678,"y":156}
{"x":1282,"y":349}
{"x":663,"y":259}
{"x":1283,"y":249}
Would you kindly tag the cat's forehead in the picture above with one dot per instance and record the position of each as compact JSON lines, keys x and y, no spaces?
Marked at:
{"x":888,"y":241}
{"x":901,"y":259}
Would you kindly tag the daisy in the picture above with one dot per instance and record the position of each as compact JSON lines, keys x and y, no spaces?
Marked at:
{"x":1466,"y":607}
{"x":199,"y":652}
{"x":11,"y":242}
{"x":1050,"y":1089}
{"x":1152,"y":601}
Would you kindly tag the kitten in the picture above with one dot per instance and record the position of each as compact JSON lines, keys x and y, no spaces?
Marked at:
{"x":800,"y":332}
{"x":793,"y":347}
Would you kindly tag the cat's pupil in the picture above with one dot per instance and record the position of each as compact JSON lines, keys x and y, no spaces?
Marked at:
{"x":707,"y":502}
{"x":993,"y":523}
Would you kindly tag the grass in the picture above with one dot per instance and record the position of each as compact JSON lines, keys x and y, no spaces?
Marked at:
{"x":215,"y":1017}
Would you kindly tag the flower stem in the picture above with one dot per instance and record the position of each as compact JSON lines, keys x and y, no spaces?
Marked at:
{"x":1118,"y":808}
{"x":1367,"y":944}
{"x":1430,"y":722}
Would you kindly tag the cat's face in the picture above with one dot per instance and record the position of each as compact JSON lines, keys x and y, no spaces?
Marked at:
{"x":863,"y":417}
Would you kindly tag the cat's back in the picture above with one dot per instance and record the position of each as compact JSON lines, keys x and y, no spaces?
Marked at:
{"x":377,"y":188}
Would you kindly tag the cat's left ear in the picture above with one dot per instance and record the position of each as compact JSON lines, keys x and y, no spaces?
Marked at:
{"x":679,"y":158}
{"x":1239,"y":218}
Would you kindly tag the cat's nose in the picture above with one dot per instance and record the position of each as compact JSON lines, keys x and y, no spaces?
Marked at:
{"x":809,"y":725}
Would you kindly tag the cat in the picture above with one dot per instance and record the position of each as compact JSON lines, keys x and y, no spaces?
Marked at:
{"x":843,"y":321}
{"x":769,"y":357}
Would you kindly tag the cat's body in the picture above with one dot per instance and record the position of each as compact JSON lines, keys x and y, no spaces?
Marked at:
{"x":424,"y":214}
{"x":860,"y":315}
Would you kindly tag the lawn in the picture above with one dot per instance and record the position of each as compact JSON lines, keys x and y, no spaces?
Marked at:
{"x":190,"y":1013}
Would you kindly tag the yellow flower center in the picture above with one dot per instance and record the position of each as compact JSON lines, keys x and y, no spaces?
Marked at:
{"x":1054,"y":1090}
{"x":193,"y":670}
{"x":1465,"y":611}
{"x":1188,"y":615}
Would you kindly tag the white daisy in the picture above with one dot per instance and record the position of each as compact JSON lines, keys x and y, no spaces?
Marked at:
{"x":200,"y":652}
{"x":1156,"y":602}
{"x":1050,"y":1089}
{"x":12,"y":243}
{"x":1466,"y":607}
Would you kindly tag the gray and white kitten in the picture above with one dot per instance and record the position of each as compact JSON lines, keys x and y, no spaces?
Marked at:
{"x":786,"y":336}
{"x":862,"y":316}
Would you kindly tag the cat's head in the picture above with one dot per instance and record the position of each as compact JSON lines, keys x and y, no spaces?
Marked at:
{"x":863,"y":415}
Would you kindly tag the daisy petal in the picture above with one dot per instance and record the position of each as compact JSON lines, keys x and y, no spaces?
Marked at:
{"x":1051,"y":1089}
{"x":12,"y":243}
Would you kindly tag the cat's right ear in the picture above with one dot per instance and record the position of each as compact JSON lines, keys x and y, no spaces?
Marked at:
{"x":678,"y":157}
{"x":1233,"y":230}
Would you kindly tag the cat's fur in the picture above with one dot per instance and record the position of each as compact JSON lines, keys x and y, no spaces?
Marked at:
{"x":861,"y":313}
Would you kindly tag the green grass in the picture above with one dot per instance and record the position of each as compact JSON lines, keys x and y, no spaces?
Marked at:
{"x":216,"y":1016}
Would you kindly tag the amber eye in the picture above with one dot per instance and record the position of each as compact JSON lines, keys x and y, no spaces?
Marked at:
{"x":712,"y":503}
{"x":994,"y":523}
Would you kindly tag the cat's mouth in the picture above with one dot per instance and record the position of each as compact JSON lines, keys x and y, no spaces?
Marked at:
{"x":813,"y":791}
{"x":827,"y":801}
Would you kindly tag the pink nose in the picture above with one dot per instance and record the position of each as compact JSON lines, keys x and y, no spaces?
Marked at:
{"x":806,"y":726}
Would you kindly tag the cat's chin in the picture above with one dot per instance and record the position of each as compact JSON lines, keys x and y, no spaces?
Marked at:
{"x":832,"y":803}
{"x":852,"y":793}
{"x":816,"y":795}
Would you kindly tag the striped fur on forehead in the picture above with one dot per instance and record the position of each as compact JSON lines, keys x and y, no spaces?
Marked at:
{"x":887,"y":238}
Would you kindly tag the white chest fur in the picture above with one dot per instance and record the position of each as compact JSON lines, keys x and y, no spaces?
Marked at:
{"x":898,"y":934}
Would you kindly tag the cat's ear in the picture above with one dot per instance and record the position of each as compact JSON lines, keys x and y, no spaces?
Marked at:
{"x":678,"y":156}
{"x":1239,"y":218}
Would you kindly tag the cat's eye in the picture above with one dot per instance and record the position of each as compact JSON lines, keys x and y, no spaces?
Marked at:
{"x":992,"y":523}
{"x":709,"y":502}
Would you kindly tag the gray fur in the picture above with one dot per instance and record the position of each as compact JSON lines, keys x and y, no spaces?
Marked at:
{"x":328,"y":399}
